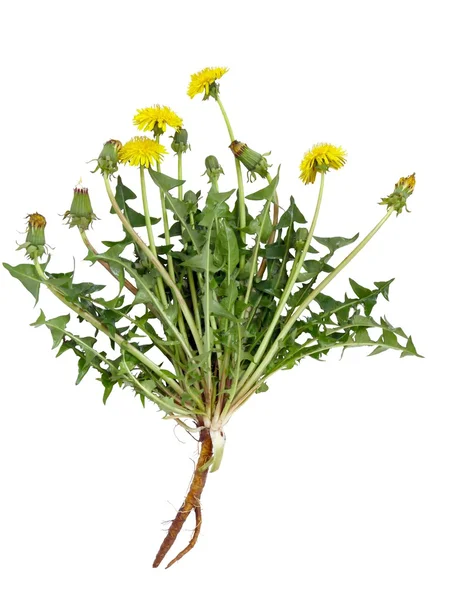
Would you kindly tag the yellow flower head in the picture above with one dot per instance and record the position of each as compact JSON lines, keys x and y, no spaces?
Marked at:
{"x":36,"y":221}
{"x":321,"y":158}
{"x":156,"y":118}
{"x":205,"y":81}
{"x":141,"y":150}
{"x":407,"y":184}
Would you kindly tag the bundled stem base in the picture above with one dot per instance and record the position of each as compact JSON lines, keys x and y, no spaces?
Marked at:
{"x":191,"y":502}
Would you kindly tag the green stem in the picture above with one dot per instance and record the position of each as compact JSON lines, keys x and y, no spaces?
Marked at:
{"x":235,"y":380}
{"x":171,"y":269}
{"x":160,"y":283}
{"x":300,"y":309}
{"x":157,"y":264}
{"x":160,"y":402}
{"x":296,"y":269}
{"x":207,"y":336}
{"x":256,"y":251}
{"x":241,"y":192}
{"x":194,"y":297}
{"x":180,"y":191}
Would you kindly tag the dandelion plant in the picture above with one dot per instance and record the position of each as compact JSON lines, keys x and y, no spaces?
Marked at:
{"x":222,"y":292}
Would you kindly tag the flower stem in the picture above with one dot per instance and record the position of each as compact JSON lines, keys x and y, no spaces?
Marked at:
{"x":171,"y":269}
{"x":300,"y":309}
{"x":272,"y":237}
{"x":241,"y":192}
{"x":296,"y":269}
{"x":180,"y":191}
{"x":160,"y":283}
{"x":256,"y":251}
{"x":157,"y":264}
{"x":207,"y":336}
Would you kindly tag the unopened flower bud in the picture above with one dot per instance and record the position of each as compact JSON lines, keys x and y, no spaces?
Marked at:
{"x":213,"y":169}
{"x":252,"y":160}
{"x":35,"y":241}
{"x":402,"y":190}
{"x":191,"y":198}
{"x":108,"y":159}
{"x":180,"y":141}
{"x":80,"y":213}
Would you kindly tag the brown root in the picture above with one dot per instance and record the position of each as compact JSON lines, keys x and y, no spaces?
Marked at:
{"x":194,"y":539}
{"x":191,"y":502}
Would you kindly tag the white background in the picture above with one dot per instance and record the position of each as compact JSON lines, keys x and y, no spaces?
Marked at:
{"x":335,"y":482}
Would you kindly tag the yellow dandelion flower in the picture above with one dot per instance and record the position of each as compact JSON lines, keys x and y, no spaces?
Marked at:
{"x":204,"y":81}
{"x":143,"y":151}
{"x":321,"y":158}
{"x":156,"y":118}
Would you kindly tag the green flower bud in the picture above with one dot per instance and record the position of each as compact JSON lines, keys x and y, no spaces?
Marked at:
{"x":108,"y":159}
{"x":180,"y":141}
{"x":80,"y":213}
{"x":402,"y":190}
{"x":252,"y":160}
{"x":191,"y":198}
{"x":35,"y":241}
{"x":213,"y":169}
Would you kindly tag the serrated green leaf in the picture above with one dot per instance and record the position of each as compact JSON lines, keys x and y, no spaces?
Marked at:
{"x":290,"y":216}
{"x":362,"y":336}
{"x":266,"y":193}
{"x":362,"y":320}
{"x":266,"y":227}
{"x":125,"y":193}
{"x":148,"y":384}
{"x":384,"y":287}
{"x":217,"y":309}
{"x":275,"y":251}
{"x":108,"y":387}
{"x":28,"y":276}
{"x":164,"y":182}
{"x":227,"y":246}
{"x":40,"y":320}
{"x":57,"y":328}
{"x":334,"y":243}
{"x":198,"y":262}
{"x":327,"y":303}
{"x":363,"y":293}
{"x":397,"y":330}
{"x":137,"y":219}
{"x":377,"y":350}
{"x":216,"y":207}
{"x":410,"y":349}
{"x":83,"y":368}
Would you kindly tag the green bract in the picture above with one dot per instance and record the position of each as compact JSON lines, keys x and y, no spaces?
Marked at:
{"x":226,"y":291}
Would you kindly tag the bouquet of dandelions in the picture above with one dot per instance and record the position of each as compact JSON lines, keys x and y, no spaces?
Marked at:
{"x":203,"y":319}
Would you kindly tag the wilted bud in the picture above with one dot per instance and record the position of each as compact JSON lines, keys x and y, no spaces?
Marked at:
{"x":108,"y":159}
{"x":253,"y":161}
{"x":402,"y":190}
{"x":213,"y":169}
{"x":80,"y":213}
{"x":180,"y":141}
{"x":35,"y":241}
